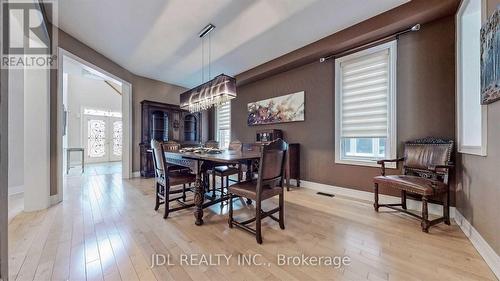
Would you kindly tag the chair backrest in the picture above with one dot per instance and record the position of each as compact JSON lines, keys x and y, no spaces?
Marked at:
{"x":158,"y":158}
{"x":171,"y":146}
{"x":251,"y":147}
{"x":272,"y":163}
{"x":235,"y":145}
{"x":212,"y":144}
{"x":423,"y":153}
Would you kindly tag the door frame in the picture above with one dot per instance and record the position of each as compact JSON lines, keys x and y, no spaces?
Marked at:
{"x":126,"y":118}
{"x":4,"y":106}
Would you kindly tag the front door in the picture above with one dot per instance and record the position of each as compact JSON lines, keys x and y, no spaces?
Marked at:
{"x":102,"y":138}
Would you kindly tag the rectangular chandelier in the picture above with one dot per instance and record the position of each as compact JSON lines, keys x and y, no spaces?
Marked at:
{"x":211,"y":93}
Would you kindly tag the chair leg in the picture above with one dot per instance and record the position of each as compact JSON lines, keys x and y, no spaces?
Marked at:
{"x":230,"y":221}
{"x":184,"y":192}
{"x":213,"y":184}
{"x":403,"y":199}
{"x":167,"y":203}
{"x":375,"y":192}
{"x":282,"y":210}
{"x":258,"y":213}
{"x":446,"y":208}
{"x":425,"y":214}
{"x":222,"y":190}
{"x":157,"y":205}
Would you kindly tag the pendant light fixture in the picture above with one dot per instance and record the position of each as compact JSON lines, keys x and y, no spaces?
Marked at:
{"x":214,"y":92}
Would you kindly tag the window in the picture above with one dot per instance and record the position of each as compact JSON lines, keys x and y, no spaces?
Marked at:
{"x":365,"y":103}
{"x":223,"y":128}
{"x":471,"y":115}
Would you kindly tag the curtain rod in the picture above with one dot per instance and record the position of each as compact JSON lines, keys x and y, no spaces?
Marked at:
{"x":416,"y":27}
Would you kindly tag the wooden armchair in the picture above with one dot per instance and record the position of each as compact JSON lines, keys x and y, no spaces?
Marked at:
{"x":426,"y":170}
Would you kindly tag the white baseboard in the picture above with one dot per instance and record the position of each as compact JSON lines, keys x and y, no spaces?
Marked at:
{"x":489,"y":255}
{"x":136,"y":174}
{"x":13,"y":190}
{"x":434,"y":209}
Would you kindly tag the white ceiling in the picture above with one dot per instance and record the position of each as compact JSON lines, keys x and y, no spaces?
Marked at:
{"x":159,"y":38}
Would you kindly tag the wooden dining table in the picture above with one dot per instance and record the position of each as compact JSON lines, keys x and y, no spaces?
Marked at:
{"x":200,"y":163}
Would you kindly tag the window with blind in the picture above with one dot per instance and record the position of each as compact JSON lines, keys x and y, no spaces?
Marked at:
{"x":365,"y":103}
{"x":223,"y":129}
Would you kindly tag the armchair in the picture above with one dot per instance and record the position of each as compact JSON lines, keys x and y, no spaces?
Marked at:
{"x":426,"y":169}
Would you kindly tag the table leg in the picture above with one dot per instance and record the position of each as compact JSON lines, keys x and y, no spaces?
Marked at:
{"x":67,"y":162}
{"x":199,"y":191}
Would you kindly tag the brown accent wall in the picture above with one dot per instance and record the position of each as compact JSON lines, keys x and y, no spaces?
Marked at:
{"x":425,"y":98}
{"x":478,"y":188}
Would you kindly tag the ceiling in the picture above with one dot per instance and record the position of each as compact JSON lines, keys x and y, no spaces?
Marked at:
{"x":158,"y":38}
{"x":73,"y":67}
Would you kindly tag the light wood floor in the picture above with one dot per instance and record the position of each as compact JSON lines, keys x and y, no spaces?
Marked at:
{"x":106,"y":228}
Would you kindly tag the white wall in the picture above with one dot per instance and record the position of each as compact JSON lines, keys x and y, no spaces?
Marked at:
{"x":36,"y":139}
{"x":16,"y":131}
{"x":86,"y":92}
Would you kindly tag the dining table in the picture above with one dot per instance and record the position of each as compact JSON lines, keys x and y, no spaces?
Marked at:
{"x":200,"y":163}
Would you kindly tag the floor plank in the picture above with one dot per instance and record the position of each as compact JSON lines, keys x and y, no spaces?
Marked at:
{"x":106,"y":229}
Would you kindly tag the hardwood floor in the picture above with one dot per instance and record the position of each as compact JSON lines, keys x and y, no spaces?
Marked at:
{"x":106,"y":229}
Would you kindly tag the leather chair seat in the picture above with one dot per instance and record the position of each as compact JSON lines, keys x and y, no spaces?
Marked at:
{"x":412,"y":184}
{"x":178,"y":179}
{"x":248,"y":189}
{"x":226,"y":170}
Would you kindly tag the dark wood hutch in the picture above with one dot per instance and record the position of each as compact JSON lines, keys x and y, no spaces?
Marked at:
{"x":164,"y":122}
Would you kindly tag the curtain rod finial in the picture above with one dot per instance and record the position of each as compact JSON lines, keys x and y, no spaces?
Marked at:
{"x":416,"y":27}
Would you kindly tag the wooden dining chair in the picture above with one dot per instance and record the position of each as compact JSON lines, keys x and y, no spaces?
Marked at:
{"x":225,"y":171}
{"x":212,"y":144}
{"x":174,"y":146}
{"x":269,"y":184}
{"x":166,"y":178}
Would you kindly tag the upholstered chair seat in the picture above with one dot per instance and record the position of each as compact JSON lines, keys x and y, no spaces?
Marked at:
{"x":426,"y":170}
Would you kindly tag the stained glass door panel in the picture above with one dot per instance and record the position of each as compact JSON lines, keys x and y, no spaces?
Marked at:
{"x":116,"y":141}
{"x":96,"y":138}
{"x":103,"y":138}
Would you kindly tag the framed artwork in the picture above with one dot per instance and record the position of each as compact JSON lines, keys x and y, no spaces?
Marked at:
{"x":490,"y":59}
{"x":282,"y":109}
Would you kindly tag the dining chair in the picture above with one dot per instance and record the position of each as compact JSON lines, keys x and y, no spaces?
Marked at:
{"x":211,"y":144}
{"x":173,"y":146}
{"x":269,"y":184}
{"x":166,"y":178}
{"x":225,"y":171}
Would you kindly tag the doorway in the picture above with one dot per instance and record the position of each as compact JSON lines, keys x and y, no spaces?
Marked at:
{"x":94,"y":122}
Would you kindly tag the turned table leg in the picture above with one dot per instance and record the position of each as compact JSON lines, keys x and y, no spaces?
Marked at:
{"x":199,"y":190}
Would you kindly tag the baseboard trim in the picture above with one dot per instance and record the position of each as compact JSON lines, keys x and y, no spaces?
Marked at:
{"x":136,"y":174}
{"x":13,"y":190}
{"x":434,"y":209}
{"x":489,"y":255}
